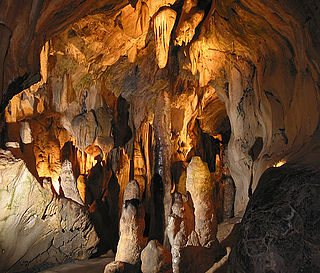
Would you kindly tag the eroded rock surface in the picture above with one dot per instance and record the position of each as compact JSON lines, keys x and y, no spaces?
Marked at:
{"x":131,"y":227}
{"x":156,"y":258}
{"x":68,"y":183}
{"x":279,"y":229}
{"x":36,"y":227}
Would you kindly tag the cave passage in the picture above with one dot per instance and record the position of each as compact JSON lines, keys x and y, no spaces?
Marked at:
{"x":160,"y":136}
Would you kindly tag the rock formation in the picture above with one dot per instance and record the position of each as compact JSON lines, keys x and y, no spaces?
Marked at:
{"x":163,"y":25}
{"x":30,"y":212}
{"x":156,"y":91}
{"x":278,"y":231}
{"x":131,"y":227}
{"x":200,"y":186}
{"x":156,"y":258}
{"x":68,"y":183}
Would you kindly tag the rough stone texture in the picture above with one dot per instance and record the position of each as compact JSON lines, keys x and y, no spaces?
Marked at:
{"x":46,"y":149}
{"x":180,"y":228}
{"x":35,"y":226}
{"x":229,"y":195}
{"x":132,"y":191}
{"x":25,"y":133}
{"x":190,"y":18}
{"x":156,"y":258}
{"x":279,"y":231}
{"x":68,"y":182}
{"x":115,"y":267}
{"x":85,"y":129}
{"x":121,"y":267}
{"x":200,"y":186}
{"x":131,"y":227}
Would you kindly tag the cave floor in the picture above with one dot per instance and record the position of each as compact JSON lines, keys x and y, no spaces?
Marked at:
{"x":227,"y":234}
{"x":95,"y":265}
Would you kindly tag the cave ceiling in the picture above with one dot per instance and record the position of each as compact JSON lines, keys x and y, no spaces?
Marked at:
{"x":247,"y":70}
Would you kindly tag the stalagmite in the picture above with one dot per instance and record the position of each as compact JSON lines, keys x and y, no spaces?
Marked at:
{"x":180,"y":227}
{"x":200,"y":187}
{"x":25,"y":133}
{"x":68,"y":182}
{"x":131,"y":226}
{"x":163,"y":24}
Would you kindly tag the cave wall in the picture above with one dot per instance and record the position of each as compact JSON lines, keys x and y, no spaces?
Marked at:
{"x":135,"y":91}
{"x":36,"y":226}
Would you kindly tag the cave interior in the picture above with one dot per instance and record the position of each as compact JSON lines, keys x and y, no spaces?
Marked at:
{"x":174,"y":135}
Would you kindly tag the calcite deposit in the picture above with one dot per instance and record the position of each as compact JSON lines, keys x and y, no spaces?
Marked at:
{"x":190,"y":100}
{"x":30,"y":212}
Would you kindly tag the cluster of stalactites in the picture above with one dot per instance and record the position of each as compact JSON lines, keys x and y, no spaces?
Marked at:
{"x":163,"y":25}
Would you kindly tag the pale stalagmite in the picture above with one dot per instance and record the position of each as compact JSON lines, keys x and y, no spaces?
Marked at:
{"x":200,"y":186}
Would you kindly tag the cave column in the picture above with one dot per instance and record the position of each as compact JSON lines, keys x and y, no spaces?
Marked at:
{"x":162,"y":133}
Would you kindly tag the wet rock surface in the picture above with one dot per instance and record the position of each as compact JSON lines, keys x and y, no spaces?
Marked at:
{"x":279,"y":231}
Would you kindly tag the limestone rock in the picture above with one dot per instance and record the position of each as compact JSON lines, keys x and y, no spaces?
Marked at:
{"x":229,"y":196}
{"x":155,"y":258}
{"x":115,"y":267}
{"x":46,"y":149}
{"x":121,"y":267}
{"x":131,"y":228}
{"x":12,"y":144}
{"x":163,"y":24}
{"x":81,"y":186}
{"x":68,"y":182}
{"x":279,"y":229}
{"x":131,"y":191}
{"x":85,"y":129}
{"x":25,"y":132}
{"x":190,"y":18}
{"x":180,"y":226}
{"x":200,"y":187}
{"x":35,"y":226}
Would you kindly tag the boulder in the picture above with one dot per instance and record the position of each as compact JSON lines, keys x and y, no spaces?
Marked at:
{"x":36,"y":227}
{"x":280,"y":229}
{"x":156,"y":258}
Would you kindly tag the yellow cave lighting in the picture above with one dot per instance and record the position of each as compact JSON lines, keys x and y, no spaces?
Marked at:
{"x":279,"y":163}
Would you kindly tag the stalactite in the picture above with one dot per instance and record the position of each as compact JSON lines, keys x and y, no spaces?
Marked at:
{"x":163,"y":25}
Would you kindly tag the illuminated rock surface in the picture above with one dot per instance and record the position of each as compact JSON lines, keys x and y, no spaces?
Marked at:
{"x":155,"y":258}
{"x":29,"y":212}
{"x":137,"y":90}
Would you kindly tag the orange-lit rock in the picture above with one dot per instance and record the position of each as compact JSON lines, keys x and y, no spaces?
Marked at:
{"x":136,"y":89}
{"x":163,"y":23}
{"x":46,"y":149}
{"x":190,"y":18}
